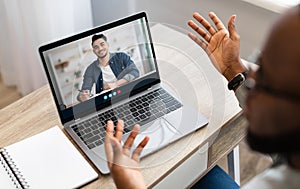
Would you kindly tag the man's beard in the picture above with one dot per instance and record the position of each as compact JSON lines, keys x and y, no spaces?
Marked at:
{"x":285,"y":143}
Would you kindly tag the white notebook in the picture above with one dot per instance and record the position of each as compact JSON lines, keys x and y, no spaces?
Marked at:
{"x":46,"y":160}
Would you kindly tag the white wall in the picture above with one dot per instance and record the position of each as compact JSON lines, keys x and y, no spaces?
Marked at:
{"x":26,"y":25}
{"x":252,"y":22}
{"x":106,"y":11}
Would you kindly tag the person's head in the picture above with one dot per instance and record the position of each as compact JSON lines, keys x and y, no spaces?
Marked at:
{"x":100,"y":45}
{"x":273,"y":105}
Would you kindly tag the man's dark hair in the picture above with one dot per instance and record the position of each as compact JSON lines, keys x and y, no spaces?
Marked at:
{"x":95,"y":37}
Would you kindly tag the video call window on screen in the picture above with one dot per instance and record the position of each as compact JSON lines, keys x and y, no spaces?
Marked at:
{"x":71,"y":61}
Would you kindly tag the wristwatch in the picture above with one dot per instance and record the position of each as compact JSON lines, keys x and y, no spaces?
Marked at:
{"x":237,"y":81}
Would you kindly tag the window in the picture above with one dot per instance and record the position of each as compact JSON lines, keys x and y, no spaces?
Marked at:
{"x":274,"y":5}
{"x":287,"y":3}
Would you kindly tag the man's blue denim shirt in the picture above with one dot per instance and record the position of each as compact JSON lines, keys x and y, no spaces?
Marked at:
{"x":122,"y":66}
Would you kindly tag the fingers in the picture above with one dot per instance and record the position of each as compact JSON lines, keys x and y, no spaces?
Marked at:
{"x":199,"y":30}
{"x":107,"y":144}
{"x":137,"y":152}
{"x":113,"y":148}
{"x":211,"y":30}
{"x":218,"y":23}
{"x":199,"y":41}
{"x":232,"y":30}
{"x":117,"y":151}
{"x":112,"y":142}
{"x":119,"y":130}
{"x":204,"y":23}
{"x":130,"y":140}
{"x":110,"y":128}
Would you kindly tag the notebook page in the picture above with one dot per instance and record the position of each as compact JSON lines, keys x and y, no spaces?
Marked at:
{"x":49,"y":160}
{"x":5,"y":180}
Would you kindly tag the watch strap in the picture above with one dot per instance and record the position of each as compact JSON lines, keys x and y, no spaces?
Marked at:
{"x":236,"y":81}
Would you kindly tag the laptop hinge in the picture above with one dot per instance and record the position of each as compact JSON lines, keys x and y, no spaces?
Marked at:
{"x":70,"y":123}
{"x":154,"y":86}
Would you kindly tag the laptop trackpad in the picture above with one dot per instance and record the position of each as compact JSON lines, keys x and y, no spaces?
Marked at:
{"x":160,"y":132}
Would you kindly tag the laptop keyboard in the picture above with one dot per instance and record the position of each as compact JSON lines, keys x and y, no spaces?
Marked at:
{"x":141,"y":110}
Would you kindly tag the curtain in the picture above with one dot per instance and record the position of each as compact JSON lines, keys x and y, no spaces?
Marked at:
{"x":27,"y":24}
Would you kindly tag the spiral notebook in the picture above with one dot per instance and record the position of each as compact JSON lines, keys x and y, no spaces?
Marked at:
{"x":46,"y":160}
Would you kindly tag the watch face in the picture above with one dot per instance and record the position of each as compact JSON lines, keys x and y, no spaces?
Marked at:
{"x":236,"y":81}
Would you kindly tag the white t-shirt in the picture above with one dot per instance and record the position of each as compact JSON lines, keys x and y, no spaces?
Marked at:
{"x":107,"y":74}
{"x":279,"y":177}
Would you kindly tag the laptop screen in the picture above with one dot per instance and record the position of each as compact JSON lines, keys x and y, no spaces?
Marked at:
{"x":93,"y":69}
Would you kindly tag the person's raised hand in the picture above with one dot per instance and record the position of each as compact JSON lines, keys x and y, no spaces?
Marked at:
{"x":123,"y":165}
{"x":221,"y":45}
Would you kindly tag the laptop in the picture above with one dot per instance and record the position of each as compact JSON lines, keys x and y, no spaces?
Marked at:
{"x":142,"y":99}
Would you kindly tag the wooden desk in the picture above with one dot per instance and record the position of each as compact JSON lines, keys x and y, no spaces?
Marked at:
{"x":180,"y":60}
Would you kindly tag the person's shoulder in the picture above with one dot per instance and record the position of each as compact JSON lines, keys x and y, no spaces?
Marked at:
{"x":121,"y":54}
{"x":92,"y":65}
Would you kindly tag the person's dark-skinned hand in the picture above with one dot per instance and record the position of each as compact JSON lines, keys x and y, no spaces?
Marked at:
{"x":221,"y":45}
{"x":124,"y":166}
